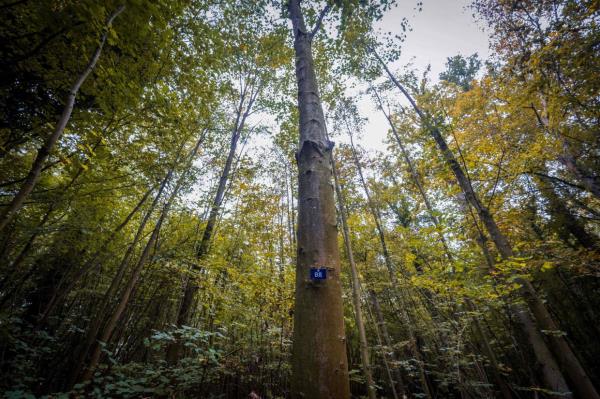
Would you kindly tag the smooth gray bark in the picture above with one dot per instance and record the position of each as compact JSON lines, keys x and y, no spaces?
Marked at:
{"x":319,"y":362}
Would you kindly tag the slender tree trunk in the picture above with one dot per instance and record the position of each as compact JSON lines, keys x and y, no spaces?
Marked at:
{"x":565,"y":222}
{"x":553,"y":376}
{"x":387,"y":340}
{"x":364,"y":345}
{"x":504,"y":388}
{"x":43,"y":153}
{"x":51,"y":278}
{"x":391,"y":270}
{"x":319,"y":362}
{"x":104,"y":337}
{"x":25,"y":251}
{"x":126,"y":294}
{"x":375,"y":213}
{"x":21,"y":257}
{"x":184,"y":314}
{"x":416,"y":178}
{"x":90,"y":264}
{"x":290,"y":204}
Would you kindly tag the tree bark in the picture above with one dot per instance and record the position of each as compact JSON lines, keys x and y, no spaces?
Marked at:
{"x":44,"y":152}
{"x":319,"y":362}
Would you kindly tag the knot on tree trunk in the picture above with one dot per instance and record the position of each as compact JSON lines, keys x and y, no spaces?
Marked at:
{"x":309,"y":146}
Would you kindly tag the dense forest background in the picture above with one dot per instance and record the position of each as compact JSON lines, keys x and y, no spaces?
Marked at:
{"x":149,"y":202}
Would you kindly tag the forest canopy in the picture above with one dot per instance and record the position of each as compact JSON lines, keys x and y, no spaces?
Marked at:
{"x":188,"y":208}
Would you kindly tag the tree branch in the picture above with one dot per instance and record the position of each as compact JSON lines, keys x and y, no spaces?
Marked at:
{"x":556,"y":179}
{"x":319,"y":22}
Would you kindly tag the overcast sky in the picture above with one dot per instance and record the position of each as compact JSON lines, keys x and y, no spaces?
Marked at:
{"x":442,"y":29}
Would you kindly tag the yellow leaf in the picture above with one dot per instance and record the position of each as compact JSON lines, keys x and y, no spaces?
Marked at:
{"x":547,"y":266}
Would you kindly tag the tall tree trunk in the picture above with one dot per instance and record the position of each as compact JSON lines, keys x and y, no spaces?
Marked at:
{"x":44,"y":152}
{"x":416,"y":178}
{"x":184,"y":314}
{"x":553,"y":376}
{"x":126,"y":294}
{"x":499,"y":379}
{"x":364,"y":345}
{"x":392,"y":271}
{"x":319,"y":362}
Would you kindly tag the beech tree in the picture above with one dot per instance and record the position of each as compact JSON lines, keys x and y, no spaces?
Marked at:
{"x":171,"y":196}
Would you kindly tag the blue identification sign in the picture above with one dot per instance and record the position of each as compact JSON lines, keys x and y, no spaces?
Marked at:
{"x":318,"y":273}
